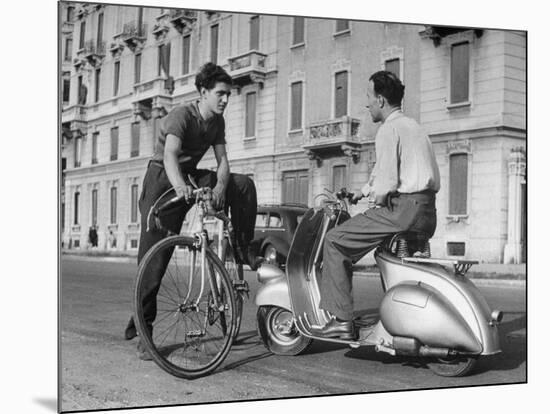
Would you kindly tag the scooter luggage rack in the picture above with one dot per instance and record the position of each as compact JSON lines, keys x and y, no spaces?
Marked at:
{"x":461,"y":267}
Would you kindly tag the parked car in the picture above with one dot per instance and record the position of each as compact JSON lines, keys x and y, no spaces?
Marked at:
{"x":275,"y":227}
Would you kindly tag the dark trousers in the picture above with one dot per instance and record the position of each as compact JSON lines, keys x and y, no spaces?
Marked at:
{"x":349,"y":242}
{"x":240,"y":198}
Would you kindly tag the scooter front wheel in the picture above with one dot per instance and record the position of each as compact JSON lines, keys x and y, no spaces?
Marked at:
{"x":455,"y":366}
{"x":278,"y":331}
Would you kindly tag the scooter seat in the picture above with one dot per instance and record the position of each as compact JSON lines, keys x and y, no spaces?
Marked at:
{"x":409,"y":244}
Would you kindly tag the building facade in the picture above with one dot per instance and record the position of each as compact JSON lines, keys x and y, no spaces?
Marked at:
{"x":296,"y":122}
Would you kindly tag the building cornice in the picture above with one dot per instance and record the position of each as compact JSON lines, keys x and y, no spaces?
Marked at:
{"x":478,"y":133}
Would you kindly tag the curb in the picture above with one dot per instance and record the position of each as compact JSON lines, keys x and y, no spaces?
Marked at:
{"x":477,"y":282}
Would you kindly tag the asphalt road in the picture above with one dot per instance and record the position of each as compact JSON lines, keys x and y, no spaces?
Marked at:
{"x":100,"y":370}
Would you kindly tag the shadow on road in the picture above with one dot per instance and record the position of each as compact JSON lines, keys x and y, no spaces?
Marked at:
{"x":247,"y":360}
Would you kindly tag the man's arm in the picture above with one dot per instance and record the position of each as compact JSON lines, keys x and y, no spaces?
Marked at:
{"x":172,"y":167}
{"x":222,"y":175}
{"x":386,"y":179}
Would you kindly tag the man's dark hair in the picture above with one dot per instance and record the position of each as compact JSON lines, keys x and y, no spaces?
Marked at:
{"x":389,"y":86}
{"x":209,"y":74}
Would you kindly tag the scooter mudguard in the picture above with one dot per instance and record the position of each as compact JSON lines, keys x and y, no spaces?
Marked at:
{"x":415,"y":310}
{"x":273,"y":290}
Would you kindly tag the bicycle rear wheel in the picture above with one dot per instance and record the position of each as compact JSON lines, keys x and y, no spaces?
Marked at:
{"x":195,"y":322}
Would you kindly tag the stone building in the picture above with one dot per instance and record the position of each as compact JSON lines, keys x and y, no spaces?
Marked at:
{"x":296,"y":122}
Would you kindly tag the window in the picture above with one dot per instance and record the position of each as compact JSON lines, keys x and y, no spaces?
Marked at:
{"x":70,"y":13}
{"x":295,"y":186}
{"x":114,"y":144}
{"x":134,"y":151}
{"x":214,"y":43}
{"x":296,"y":105}
{"x":68,"y":49}
{"x":458,"y":185}
{"x":97,"y":84}
{"x":164,"y":60}
{"x":342,"y":25}
{"x":82,"y":34}
{"x":186,"y":54}
{"x":82,"y":91}
{"x":250,"y":128}
{"x":99,"y":30}
{"x":392,"y":65}
{"x":113,"y":205}
{"x":339,"y":177}
{"x":116,"y":78}
{"x":66,"y":90}
{"x":77,"y":150}
{"x":94,"y":207}
{"x":456,"y":248}
{"x":255,"y":33}
{"x":275,"y":220}
{"x":76,"y":207}
{"x":261,"y":220}
{"x":460,"y":72}
{"x":95,"y":138}
{"x":134,"y":203}
{"x":298,"y":30}
{"x":137,"y":68}
{"x":341,"y":94}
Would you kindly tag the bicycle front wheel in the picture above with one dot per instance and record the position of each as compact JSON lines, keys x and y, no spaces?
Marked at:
{"x":195,"y":315}
{"x":235,"y":271}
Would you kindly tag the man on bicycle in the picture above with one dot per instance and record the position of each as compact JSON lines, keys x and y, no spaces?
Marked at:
{"x":185,"y":135}
{"x":401,"y":191}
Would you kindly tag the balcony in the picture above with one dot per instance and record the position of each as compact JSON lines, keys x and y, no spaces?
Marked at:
{"x":74,"y":121}
{"x":134,"y":35}
{"x":248,"y":68}
{"x":438,"y":33}
{"x":182,"y":20}
{"x":93,"y":52}
{"x":333,"y":137}
{"x":151,"y":97}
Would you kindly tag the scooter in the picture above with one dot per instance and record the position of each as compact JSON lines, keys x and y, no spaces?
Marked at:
{"x":430,"y":310}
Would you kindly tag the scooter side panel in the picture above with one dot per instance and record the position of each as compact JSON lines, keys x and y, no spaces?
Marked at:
{"x":416,"y":311}
{"x":459,"y":291}
{"x":274,"y":293}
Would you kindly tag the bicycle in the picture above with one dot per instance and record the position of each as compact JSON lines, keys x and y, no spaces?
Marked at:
{"x":200,"y":299}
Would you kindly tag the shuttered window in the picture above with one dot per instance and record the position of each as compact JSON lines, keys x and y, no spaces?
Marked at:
{"x":134,"y":151}
{"x":296,"y":105}
{"x":76,"y":207}
{"x":250,"y":128}
{"x":458,"y":185}
{"x":339,"y":177}
{"x":95,"y":137}
{"x":137,"y":68}
{"x":99,"y":30}
{"x":341,"y":94}
{"x":113,"y":205}
{"x":116,"y":78}
{"x":68,"y":49}
{"x":134,"y":203}
{"x":66,"y":90}
{"x":214,"y":44}
{"x":186,"y":54}
{"x":164,"y":60}
{"x":298,"y":30}
{"x":97,"y":84}
{"x":295,"y":186}
{"x":94,"y":207}
{"x":82,"y":35}
{"x":77,"y":151}
{"x":114,"y":144}
{"x":460,"y":72}
{"x":392,"y":65}
{"x":255,"y":33}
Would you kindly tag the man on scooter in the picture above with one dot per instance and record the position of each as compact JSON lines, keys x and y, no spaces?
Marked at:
{"x":401,"y":193}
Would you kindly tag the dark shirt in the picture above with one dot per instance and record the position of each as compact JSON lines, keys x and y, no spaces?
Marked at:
{"x":196,"y":134}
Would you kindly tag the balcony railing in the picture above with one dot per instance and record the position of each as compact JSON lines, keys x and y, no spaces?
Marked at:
{"x":93,"y":51}
{"x":335,"y":135}
{"x":134,"y":34}
{"x":182,"y":19}
{"x":75,"y":113}
{"x":248,"y":68}
{"x":151,"y":96}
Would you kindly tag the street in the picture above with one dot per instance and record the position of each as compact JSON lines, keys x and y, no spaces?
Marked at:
{"x":100,"y":370}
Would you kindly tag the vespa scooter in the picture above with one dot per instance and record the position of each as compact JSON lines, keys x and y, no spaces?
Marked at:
{"x":429,"y":310}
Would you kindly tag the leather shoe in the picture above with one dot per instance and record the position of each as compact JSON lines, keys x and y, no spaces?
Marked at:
{"x":130,"y":332}
{"x":336,"y":329}
{"x":143,"y":353}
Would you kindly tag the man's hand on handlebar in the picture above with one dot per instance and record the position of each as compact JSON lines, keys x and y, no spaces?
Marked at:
{"x":184,"y":191}
{"x":357,"y":195}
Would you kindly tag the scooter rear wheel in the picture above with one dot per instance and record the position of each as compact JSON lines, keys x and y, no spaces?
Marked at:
{"x":455,"y":366}
{"x":278,"y":331}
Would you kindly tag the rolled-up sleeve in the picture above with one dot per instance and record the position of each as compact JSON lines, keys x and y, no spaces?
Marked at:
{"x":386,"y":179}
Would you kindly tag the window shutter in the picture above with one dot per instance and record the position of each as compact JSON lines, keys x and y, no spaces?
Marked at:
{"x":458,"y":186}
{"x":460,"y":72}
{"x":250,"y":128}
{"x":255,"y":33}
{"x":341,"y":94}
{"x":299,"y":23}
{"x":186,"y":54}
{"x":392,"y":66}
{"x":296,"y":106}
{"x":214,"y":44}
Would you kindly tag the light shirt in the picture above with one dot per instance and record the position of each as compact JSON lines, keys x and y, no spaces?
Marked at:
{"x":405,"y":160}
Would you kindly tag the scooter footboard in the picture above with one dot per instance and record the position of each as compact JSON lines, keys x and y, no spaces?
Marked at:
{"x":416,"y":310}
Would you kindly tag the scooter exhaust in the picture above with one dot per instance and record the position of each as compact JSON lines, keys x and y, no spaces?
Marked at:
{"x":411,"y":347}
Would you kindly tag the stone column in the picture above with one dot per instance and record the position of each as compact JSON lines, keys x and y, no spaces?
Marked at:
{"x":516,"y":176}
